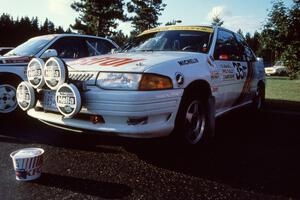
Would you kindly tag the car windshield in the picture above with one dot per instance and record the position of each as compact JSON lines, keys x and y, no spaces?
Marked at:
{"x":30,"y":47}
{"x":174,"y":40}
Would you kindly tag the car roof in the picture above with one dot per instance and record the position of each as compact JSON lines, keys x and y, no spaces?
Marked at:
{"x":204,"y":28}
{"x":68,"y":34}
{"x":52,"y":36}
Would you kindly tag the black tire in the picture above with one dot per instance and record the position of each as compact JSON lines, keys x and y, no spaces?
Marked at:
{"x":194,"y":121}
{"x":259,"y":98}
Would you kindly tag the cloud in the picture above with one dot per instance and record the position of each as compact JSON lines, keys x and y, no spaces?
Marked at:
{"x":234,"y":22}
{"x":59,"y":7}
{"x":126,"y":27}
{"x":220,"y":11}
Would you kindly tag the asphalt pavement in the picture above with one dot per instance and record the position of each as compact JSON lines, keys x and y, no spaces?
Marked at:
{"x":252,"y":157}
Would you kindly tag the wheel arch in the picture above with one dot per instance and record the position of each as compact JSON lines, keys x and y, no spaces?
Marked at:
{"x":8,"y":77}
{"x":201,"y":86}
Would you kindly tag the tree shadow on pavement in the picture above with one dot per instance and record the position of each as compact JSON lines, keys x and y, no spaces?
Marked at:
{"x":252,"y":152}
{"x":84,"y":186}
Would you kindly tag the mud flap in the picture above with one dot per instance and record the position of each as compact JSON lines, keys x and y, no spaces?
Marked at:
{"x":211,"y":120}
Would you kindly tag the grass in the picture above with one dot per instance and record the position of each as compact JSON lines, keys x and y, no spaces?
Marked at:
{"x":282,"y":93}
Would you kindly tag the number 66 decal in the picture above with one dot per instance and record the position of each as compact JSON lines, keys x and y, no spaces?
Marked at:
{"x":241,"y":71}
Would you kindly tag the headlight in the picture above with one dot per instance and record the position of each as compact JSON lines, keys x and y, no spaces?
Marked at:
{"x":133,"y":81}
{"x":119,"y":81}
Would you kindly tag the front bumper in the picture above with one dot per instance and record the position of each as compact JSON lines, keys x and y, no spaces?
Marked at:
{"x":117,"y":108}
{"x":270,"y":71}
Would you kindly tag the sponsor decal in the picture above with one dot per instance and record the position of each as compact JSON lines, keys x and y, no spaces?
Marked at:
{"x":26,"y":96}
{"x":188,"y":61}
{"x":108,"y":61}
{"x":179,"y":28}
{"x":241,"y":71}
{"x":228,"y":72}
{"x":214,"y":75}
{"x":179,"y":78}
{"x":68,"y":100}
{"x":247,"y":84}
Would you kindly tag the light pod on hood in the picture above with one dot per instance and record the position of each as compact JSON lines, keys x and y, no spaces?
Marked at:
{"x":35,"y":73}
{"x":26,"y":96}
{"x":55,"y":73}
{"x":68,"y":100}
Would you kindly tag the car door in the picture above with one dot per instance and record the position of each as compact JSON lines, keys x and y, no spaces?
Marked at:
{"x":231,"y":63}
{"x":70,"y":48}
{"x":249,"y":85}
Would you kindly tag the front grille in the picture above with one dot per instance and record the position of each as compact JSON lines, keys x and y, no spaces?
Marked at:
{"x":80,"y":76}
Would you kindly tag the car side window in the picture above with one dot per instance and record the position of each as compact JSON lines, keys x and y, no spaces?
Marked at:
{"x":248,"y":53}
{"x":70,"y":47}
{"x":98,"y":46}
{"x":227,"y":47}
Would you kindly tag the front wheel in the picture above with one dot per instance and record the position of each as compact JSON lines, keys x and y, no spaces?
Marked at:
{"x":8,"y":100}
{"x":193,"y":122}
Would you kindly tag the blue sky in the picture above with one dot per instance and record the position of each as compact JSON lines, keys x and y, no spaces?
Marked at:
{"x":247,"y":15}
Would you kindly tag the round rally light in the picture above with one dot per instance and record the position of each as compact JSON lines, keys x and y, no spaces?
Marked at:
{"x":35,"y":73}
{"x":25,"y":96}
{"x":55,"y":73}
{"x":68,"y":100}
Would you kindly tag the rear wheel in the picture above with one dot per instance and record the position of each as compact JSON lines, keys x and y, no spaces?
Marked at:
{"x":259,"y":98}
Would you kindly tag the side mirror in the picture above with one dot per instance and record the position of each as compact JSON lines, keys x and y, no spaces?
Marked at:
{"x":112,"y":51}
{"x":49,"y":53}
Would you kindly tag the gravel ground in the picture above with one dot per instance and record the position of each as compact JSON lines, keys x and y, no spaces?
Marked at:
{"x":252,"y":157}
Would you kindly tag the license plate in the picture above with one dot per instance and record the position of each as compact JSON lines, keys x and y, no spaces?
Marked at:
{"x":49,"y":100}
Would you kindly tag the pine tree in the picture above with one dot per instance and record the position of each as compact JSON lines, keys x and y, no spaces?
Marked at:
{"x":217,"y":21}
{"x":120,"y":38}
{"x":98,"y":17}
{"x":280,"y":35}
{"x":146,"y":14}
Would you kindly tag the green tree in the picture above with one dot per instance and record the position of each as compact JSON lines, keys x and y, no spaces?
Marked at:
{"x":275,"y":32}
{"x":217,"y":21}
{"x":120,"y":38}
{"x":146,"y":14}
{"x":98,"y":17}
{"x":173,"y":22}
{"x":290,"y":57}
{"x":280,"y":35}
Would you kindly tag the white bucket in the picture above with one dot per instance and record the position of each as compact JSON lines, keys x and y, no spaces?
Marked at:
{"x":28,"y":163}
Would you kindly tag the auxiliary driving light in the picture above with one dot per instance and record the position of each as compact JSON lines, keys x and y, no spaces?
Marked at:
{"x":26,"y":96}
{"x":55,"y":73}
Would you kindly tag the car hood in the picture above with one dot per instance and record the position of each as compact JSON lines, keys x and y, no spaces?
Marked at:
{"x":14,"y":60}
{"x":132,"y":62}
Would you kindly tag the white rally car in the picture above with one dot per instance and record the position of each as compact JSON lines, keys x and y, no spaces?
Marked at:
{"x":174,"y":79}
{"x":66,"y":46}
